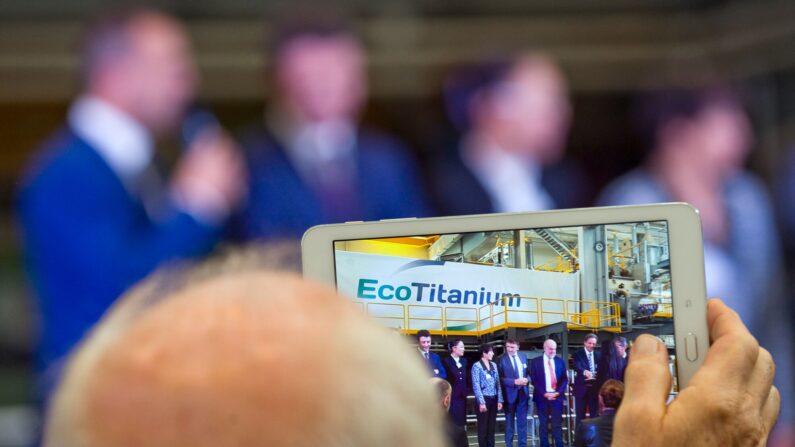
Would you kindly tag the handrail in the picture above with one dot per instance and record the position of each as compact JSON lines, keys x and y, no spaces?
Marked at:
{"x":447,"y":317}
{"x":532,"y":312}
{"x":410,"y":318}
{"x":403,"y":319}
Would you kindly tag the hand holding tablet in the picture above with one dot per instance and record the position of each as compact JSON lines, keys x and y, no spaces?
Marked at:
{"x":730,"y":400}
{"x":627,"y":270}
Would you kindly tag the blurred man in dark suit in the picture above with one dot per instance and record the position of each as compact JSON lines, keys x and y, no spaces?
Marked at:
{"x":586,"y":395}
{"x":95,"y":216}
{"x":549,"y":379}
{"x":310,"y":161}
{"x":513,"y":367}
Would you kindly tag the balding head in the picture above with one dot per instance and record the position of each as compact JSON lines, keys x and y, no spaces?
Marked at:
{"x":550,"y":347}
{"x":243,"y":359}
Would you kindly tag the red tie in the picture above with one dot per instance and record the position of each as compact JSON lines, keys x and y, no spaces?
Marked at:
{"x":552,"y":380}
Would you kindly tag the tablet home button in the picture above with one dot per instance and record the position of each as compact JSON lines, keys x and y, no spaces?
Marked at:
{"x":691,"y":347}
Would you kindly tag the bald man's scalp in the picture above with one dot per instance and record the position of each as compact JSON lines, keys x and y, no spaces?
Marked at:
{"x":256,"y":359}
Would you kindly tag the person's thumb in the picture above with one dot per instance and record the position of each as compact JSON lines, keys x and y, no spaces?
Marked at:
{"x":647,"y":384}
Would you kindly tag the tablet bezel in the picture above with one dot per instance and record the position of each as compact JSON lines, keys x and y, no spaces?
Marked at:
{"x":684,"y":238}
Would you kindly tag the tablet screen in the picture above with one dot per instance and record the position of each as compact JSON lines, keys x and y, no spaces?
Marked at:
{"x":612,"y":280}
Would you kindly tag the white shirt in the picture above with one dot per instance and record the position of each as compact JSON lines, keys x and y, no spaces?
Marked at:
{"x":314,"y":146}
{"x":457,"y":361}
{"x":423,"y":354}
{"x":124,"y":144}
{"x":591,"y":360}
{"x":513,"y":183}
{"x":547,"y":377}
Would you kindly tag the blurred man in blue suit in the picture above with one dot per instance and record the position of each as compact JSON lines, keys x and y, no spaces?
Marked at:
{"x":95,"y":216}
{"x":513,"y":366}
{"x":310,"y":161}
{"x":549,"y":378}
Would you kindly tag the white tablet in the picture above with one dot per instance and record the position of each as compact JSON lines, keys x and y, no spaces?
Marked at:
{"x":614,"y":271}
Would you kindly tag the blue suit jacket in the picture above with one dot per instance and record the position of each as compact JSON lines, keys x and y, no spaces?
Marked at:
{"x":580,"y":365}
{"x":596,"y":432}
{"x":508,"y":376}
{"x":282,"y":205}
{"x":539,"y":383}
{"x":435,"y":365}
{"x":86,"y":240}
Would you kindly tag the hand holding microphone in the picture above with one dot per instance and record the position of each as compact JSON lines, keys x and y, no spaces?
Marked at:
{"x":210,"y":179}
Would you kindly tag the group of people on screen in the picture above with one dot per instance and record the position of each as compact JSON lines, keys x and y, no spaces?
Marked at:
{"x":515,"y":385}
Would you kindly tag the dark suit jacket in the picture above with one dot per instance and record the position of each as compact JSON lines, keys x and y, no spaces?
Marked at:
{"x":537,"y":366}
{"x":456,"y":376}
{"x":508,"y":376}
{"x":86,"y":240}
{"x":581,"y":364}
{"x":282,"y":205}
{"x":456,"y":191}
{"x":456,"y":435}
{"x":610,"y":370}
{"x":596,"y":432}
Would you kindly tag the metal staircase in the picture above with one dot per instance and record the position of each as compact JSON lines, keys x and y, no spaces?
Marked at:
{"x":559,"y":246}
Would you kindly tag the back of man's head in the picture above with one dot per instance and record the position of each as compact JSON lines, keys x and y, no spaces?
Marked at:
{"x":242,"y":359}
{"x":611,"y":393}
{"x":444,"y":390}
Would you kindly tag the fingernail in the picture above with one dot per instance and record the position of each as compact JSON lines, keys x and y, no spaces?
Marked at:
{"x":646,"y":345}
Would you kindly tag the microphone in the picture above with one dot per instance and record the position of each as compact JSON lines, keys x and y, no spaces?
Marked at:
{"x":198,"y":120}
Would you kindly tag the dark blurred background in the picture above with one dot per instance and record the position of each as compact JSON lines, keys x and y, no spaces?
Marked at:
{"x":609,"y":50}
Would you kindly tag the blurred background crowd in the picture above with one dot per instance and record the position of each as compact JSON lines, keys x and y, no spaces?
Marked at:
{"x":133,"y":138}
